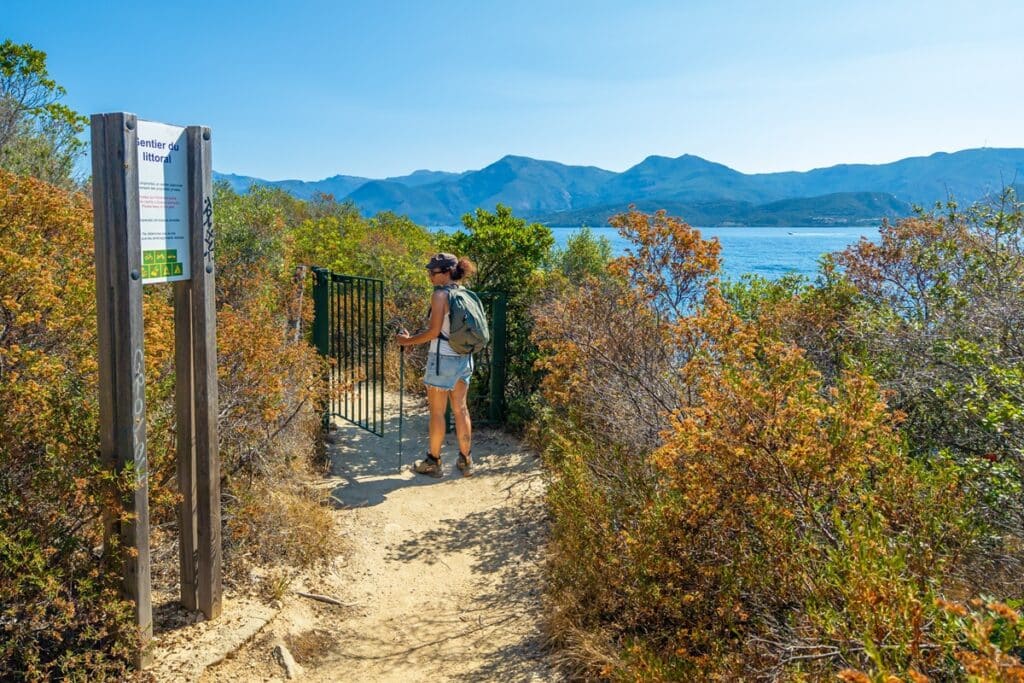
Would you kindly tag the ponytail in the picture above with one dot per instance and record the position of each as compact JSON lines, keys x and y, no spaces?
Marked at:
{"x":464,"y":269}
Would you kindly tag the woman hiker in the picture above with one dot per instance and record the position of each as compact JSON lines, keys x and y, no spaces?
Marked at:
{"x":447,"y":376}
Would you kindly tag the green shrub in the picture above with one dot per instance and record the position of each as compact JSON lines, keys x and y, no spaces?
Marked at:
{"x":585,"y":255}
{"x":942,"y":304}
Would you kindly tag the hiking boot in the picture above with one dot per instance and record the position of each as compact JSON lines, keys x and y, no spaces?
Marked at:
{"x":464,"y":464}
{"x":430,"y":466}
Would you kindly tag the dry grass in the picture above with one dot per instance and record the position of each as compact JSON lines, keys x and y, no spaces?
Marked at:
{"x":311,"y":647}
{"x":283,"y":523}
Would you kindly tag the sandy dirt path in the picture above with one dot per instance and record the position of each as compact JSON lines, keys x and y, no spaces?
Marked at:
{"x":439,"y":577}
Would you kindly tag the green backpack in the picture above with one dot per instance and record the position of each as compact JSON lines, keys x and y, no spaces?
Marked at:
{"x":467,"y":321}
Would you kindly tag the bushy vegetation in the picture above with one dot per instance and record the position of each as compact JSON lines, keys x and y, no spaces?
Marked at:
{"x":61,"y":614}
{"x":790,"y":480}
{"x":60,"y":609}
{"x":584,"y":255}
{"x":386,"y":246}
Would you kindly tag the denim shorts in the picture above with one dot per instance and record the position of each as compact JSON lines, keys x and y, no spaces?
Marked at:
{"x":452,"y":369}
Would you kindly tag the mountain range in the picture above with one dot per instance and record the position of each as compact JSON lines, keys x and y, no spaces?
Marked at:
{"x":702,"y":192}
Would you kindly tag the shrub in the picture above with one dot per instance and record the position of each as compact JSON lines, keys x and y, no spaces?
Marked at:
{"x":60,"y":610}
{"x":669,"y":264}
{"x":614,"y":345}
{"x":608,"y":363}
{"x":270,"y":380}
{"x":774,"y":517}
{"x":62,"y":615}
{"x":834,"y":539}
{"x":251,"y":235}
{"x":388,"y":247}
{"x":268,"y":391}
{"x":585,"y":255}
{"x":943,"y":303}
{"x":780,"y":530}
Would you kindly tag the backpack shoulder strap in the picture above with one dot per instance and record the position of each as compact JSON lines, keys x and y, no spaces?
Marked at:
{"x":447,"y":288}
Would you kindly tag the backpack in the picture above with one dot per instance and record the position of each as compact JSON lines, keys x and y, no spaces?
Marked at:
{"x":467,"y":321}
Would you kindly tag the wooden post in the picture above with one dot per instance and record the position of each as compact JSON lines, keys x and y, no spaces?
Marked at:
{"x":204,"y":367}
{"x":122,"y":383}
{"x":188,"y":550}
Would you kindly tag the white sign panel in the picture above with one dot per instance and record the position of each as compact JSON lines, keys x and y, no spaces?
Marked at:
{"x":163,"y":202}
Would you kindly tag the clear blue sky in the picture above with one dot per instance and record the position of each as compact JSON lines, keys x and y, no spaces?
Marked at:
{"x":308,"y":89}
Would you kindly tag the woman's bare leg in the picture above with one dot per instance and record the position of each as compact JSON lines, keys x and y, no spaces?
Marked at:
{"x":437,"y":401}
{"x":463,"y":426}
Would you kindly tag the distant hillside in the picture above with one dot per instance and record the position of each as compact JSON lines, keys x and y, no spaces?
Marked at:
{"x":686,"y":179}
{"x":415,"y":202}
{"x":527,"y":186}
{"x":701,"y":191}
{"x":842,"y":208}
{"x":340,"y":185}
{"x":967,"y":175}
{"x":424,"y":177}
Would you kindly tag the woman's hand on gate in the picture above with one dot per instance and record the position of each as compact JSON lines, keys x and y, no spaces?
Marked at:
{"x":402,"y":338}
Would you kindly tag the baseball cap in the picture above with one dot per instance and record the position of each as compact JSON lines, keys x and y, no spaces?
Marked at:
{"x":442,"y":262}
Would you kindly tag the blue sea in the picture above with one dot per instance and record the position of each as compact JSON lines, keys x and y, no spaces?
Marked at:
{"x":769,"y":252}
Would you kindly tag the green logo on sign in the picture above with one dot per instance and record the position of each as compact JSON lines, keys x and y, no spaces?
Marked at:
{"x":161,"y":263}
{"x":157,"y":256}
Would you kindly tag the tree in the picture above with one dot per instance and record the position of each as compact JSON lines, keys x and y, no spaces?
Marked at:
{"x":38,"y":134}
{"x":585,"y":254}
{"x":506,"y":250}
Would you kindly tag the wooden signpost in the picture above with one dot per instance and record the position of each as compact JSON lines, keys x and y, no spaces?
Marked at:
{"x":153,"y":221}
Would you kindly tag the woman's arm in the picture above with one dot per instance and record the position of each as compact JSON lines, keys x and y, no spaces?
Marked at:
{"x":438,"y":309}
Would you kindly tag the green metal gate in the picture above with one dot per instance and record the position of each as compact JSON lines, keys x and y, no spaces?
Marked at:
{"x":348,"y":328}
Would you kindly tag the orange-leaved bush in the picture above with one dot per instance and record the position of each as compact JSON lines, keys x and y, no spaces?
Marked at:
{"x":775,"y":526}
{"x":60,"y":609}
{"x":613,"y":346}
{"x":270,"y":383}
{"x":789,"y":521}
{"x":61,"y":614}
{"x":669,"y":262}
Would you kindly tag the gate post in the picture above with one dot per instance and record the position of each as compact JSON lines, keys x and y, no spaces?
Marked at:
{"x":321,"y":326}
{"x":496,"y":409}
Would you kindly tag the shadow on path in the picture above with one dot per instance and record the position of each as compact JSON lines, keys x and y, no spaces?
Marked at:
{"x":504,"y":542}
{"x":368,"y":465}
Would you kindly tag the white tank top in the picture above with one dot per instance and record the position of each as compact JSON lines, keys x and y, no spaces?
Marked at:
{"x":442,"y":345}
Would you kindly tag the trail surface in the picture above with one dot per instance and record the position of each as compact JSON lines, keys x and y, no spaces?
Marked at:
{"x":439,"y":579}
